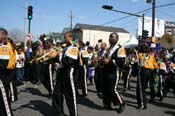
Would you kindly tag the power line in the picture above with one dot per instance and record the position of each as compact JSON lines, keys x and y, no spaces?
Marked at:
{"x":165,"y":13}
{"x":130,"y":21}
{"x":137,"y":13}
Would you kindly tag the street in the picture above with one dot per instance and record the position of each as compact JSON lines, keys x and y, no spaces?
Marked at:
{"x":33,"y":101}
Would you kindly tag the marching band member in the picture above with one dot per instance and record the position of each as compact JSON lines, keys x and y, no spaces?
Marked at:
{"x":13,"y":88}
{"x":112,"y":64}
{"x":82,"y":68}
{"x":65,"y":82}
{"x":148,"y":65}
{"x":170,"y":79}
{"x":162,"y":74}
{"x":28,"y":56}
{"x":47,"y":79}
{"x":7,"y":65}
{"x":99,"y":70}
{"x":130,"y":60}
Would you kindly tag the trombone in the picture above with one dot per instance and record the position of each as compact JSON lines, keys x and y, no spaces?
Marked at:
{"x":45,"y":56}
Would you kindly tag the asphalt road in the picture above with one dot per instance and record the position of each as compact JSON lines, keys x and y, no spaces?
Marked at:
{"x":33,"y":101}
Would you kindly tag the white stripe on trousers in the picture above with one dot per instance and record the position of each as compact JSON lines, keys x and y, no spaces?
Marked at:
{"x":6,"y":104}
{"x":129,"y":75}
{"x":161,"y":85}
{"x":116,"y":84}
{"x":140,"y":88}
{"x":73,"y":90}
{"x":12,"y":91}
{"x":51,"y":77}
{"x":85,"y":82}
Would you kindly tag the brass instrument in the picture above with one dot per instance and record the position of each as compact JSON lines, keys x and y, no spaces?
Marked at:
{"x":167,"y":41}
{"x":94,"y":62}
{"x":99,"y":61}
{"x":45,"y":56}
{"x":33,"y":59}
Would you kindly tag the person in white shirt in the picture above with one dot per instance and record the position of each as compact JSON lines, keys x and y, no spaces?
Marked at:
{"x":20,"y":57}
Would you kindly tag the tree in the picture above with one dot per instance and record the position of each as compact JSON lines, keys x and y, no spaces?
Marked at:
{"x":17,"y":35}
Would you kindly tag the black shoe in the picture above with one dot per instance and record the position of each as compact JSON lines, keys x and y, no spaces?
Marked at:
{"x":152,"y":100}
{"x":49,"y":96}
{"x":84,"y":95}
{"x":99,"y":94}
{"x":38,"y":83}
{"x":124,"y":90}
{"x":161,"y":98}
{"x":121,"y":108}
{"x":62,"y":115}
{"x":129,"y":88}
{"x":141,"y":107}
{"x":107,"y":108}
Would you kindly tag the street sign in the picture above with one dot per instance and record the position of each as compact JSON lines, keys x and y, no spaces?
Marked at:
{"x":29,"y":36}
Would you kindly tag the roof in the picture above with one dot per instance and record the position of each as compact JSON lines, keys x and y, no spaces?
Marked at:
{"x":101,"y":28}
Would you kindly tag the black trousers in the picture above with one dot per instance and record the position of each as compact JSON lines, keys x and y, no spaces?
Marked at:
{"x":127,"y":74}
{"x":82,"y":73}
{"x":110,"y":92}
{"x":28,"y":72}
{"x":37,"y":70}
{"x":5,"y":106}
{"x":161,"y":83}
{"x":13,"y":86}
{"x":47,"y":79}
{"x":169,"y":83}
{"x":65,"y":86}
{"x":98,"y":78}
{"x":144,"y":76}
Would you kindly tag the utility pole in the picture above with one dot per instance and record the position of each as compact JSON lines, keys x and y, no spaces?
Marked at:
{"x":153,"y":16}
{"x":71,"y":20}
{"x":143,"y":22}
{"x":25,"y":14}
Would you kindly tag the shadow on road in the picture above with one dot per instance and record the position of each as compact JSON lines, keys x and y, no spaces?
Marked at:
{"x":130,"y":103}
{"x":93,"y":91}
{"x":44,"y":108}
{"x":35,"y":91}
{"x":170,"y":113}
{"x":129,"y":95}
{"x":87,"y":102}
{"x":165,"y":105}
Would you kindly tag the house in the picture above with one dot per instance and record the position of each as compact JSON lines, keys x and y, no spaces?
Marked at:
{"x":57,"y":37}
{"x":93,"y":33}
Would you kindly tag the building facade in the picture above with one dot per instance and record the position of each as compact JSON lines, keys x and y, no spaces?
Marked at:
{"x":93,"y":33}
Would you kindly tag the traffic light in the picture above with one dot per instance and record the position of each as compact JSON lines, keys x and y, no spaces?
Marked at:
{"x":108,"y":7}
{"x":145,"y":34}
{"x":30,"y":12}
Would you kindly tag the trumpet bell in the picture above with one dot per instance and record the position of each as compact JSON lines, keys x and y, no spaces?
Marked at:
{"x":167,"y":41}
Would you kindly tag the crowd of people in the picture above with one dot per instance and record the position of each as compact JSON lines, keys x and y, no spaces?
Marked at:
{"x":77,"y":65}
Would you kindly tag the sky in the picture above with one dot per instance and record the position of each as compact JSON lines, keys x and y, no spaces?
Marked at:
{"x":53,"y":15}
